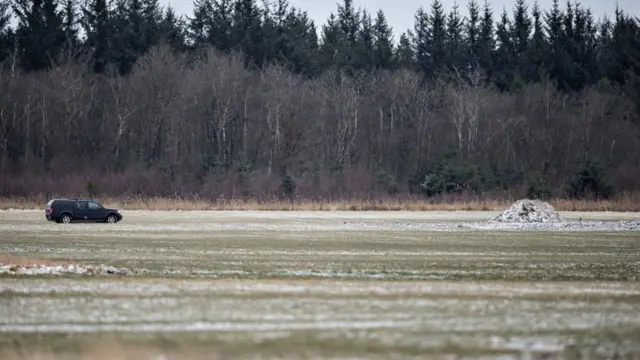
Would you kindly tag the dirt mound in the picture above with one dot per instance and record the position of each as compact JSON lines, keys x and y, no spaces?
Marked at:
{"x":529,"y":211}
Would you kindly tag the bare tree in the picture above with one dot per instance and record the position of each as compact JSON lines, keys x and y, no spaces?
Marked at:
{"x":465,"y":93}
{"x":210,"y":125}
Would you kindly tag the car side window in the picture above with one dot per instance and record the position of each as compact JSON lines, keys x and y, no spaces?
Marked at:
{"x":93,"y":205}
{"x":81,"y":205}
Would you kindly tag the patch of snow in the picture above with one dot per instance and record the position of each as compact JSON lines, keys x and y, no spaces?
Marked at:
{"x":62,"y":269}
{"x":204,"y":326}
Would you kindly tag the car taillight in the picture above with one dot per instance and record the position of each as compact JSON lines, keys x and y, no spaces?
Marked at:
{"x":50,"y":211}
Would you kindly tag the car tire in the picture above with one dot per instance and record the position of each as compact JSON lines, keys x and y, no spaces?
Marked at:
{"x":112,"y":219}
{"x":65,"y":219}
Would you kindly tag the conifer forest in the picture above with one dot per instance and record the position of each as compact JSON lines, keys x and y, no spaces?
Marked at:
{"x":252,"y":99}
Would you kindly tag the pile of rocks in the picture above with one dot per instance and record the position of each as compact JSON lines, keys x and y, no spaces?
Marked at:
{"x":529,"y":211}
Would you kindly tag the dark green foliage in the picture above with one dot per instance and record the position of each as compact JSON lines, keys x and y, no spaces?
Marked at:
{"x":393,"y":124}
{"x":171,"y":30}
{"x":98,"y":28}
{"x":40,"y":32}
{"x":525,"y":44}
{"x":451,"y":177}
{"x":486,"y":42}
{"x":387,"y":182}
{"x":455,"y":47}
{"x":436,"y":39}
{"x":404,"y":55}
{"x":288,"y":187}
{"x":331,"y":52}
{"x":365,"y":49}
{"x":5,"y":16}
{"x":537,"y":48}
{"x":537,"y":187}
{"x":246,"y":33}
{"x":591,"y":180}
{"x":6,"y":33}
{"x":420,"y":41}
{"x":472,"y":32}
{"x":383,"y":43}
{"x":520,"y":39}
{"x":70,"y":22}
{"x":504,"y":59}
{"x":92,"y":188}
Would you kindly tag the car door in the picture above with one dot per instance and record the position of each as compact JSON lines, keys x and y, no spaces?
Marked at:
{"x":96,"y":211}
{"x":81,"y":211}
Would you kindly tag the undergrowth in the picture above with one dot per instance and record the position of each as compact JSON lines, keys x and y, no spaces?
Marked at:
{"x":629,"y":202}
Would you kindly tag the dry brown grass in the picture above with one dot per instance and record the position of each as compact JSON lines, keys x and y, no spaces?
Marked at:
{"x":107,"y":347}
{"x":624,"y":203}
{"x":7,"y":259}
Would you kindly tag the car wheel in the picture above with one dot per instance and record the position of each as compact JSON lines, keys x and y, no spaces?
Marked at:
{"x":112,"y":219}
{"x":65,"y":219}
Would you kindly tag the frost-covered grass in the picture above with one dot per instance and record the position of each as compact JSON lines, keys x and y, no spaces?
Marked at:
{"x":309,"y":285}
{"x":311,"y":245}
{"x":187,"y":318}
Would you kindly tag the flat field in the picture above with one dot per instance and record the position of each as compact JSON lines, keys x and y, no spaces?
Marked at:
{"x":318,"y":285}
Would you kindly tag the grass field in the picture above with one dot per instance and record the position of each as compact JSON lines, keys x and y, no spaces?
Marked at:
{"x":318,"y":285}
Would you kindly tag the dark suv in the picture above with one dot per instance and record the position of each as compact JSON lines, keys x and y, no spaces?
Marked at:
{"x":70,"y":210}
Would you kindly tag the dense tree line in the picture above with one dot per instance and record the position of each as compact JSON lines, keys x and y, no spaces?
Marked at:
{"x":248,"y":99}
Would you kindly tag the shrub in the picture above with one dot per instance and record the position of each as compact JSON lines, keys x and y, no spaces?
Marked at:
{"x":450,"y":178}
{"x":537,"y":187}
{"x":288,"y":187}
{"x":590,"y":179}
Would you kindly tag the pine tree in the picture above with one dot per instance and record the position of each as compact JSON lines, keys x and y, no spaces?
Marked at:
{"x":246,"y":31}
{"x":556,"y":55}
{"x":152,"y":18}
{"x":40,"y":33}
{"x":6,"y":34}
{"x":536,"y":53}
{"x":504,"y":54}
{"x":172,"y":30}
{"x":455,"y":57}
{"x":472,"y":29}
{"x":365,"y":54}
{"x":603,"y":47}
{"x":520,"y":36}
{"x":332,"y":52}
{"x":584,"y":41}
{"x":276,"y":32}
{"x":97,"y":27}
{"x":569,"y":48}
{"x":486,"y":43}
{"x":70,"y":23}
{"x":5,"y":16}
{"x":437,"y":38}
{"x":127,"y":34}
{"x":383,"y":47}
{"x":349,"y":22}
{"x":420,"y":42}
{"x":404,"y":55}
{"x":625,"y":61}
{"x":302,"y":48}
{"x":200,"y":24}
{"x":221,"y":26}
